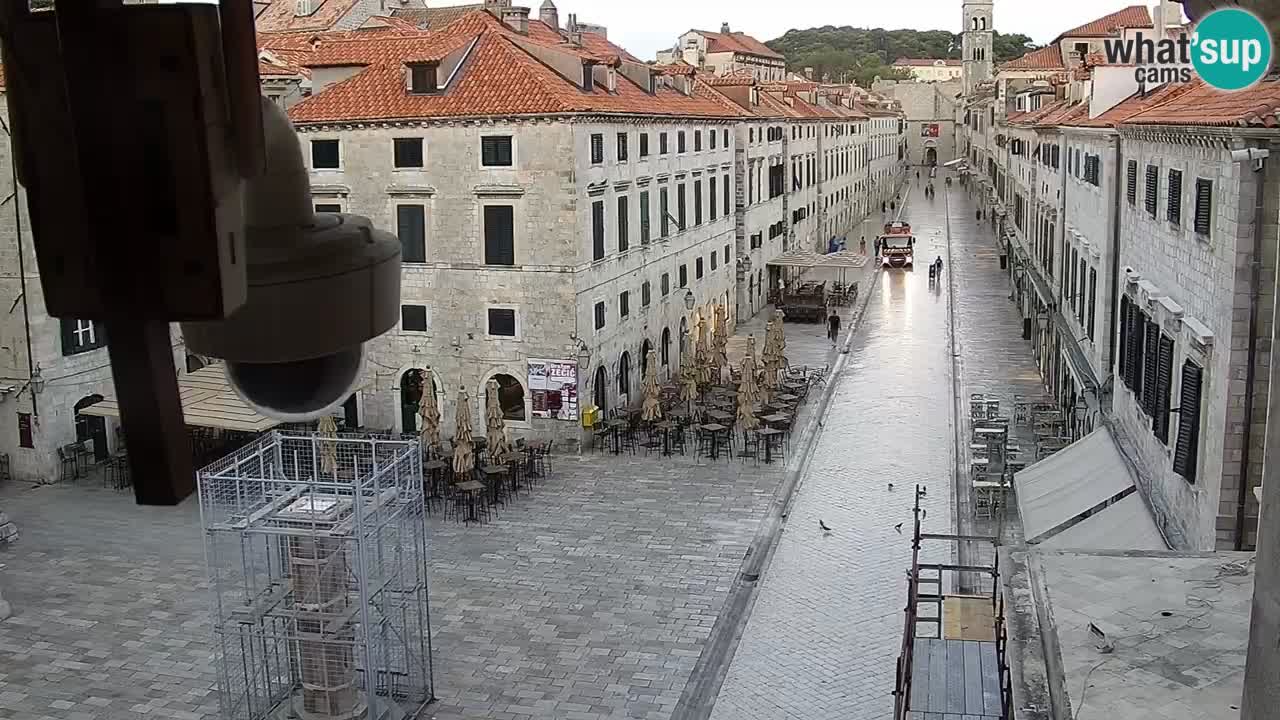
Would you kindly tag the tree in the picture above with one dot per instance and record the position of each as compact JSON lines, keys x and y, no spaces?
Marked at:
{"x":862,"y":54}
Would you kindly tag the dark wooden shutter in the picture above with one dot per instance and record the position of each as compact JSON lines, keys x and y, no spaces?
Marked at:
{"x":644,"y":218}
{"x":1150,"y":367}
{"x":1175,"y":197}
{"x":1132,"y":190}
{"x":1136,"y":331}
{"x":1186,"y":451}
{"x":624,"y":213}
{"x":1164,"y":389}
{"x":68,"y":336}
{"x":499,"y":235}
{"x":597,"y":230}
{"x":411,"y":221}
{"x":1124,"y":340}
{"x":1093,"y":299}
{"x":1152,"y":189}
{"x":1204,"y":205}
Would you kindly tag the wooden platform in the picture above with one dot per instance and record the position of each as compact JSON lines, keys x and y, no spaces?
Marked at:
{"x":968,"y":618}
{"x":954,"y":680}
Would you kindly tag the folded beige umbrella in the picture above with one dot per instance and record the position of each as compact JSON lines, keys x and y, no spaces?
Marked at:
{"x":651,"y":410}
{"x":464,"y":459}
{"x":495,"y":425}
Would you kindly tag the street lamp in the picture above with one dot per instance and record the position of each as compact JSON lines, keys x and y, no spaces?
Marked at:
{"x":746,"y":264}
{"x":689,"y":300}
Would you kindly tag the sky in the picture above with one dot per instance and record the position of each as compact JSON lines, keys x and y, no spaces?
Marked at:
{"x":645,"y":26}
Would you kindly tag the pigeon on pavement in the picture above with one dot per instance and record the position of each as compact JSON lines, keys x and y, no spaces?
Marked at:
{"x":898,"y":527}
{"x":823,"y":526}
{"x":890,"y":486}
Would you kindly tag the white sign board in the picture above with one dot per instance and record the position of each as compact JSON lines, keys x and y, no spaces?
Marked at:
{"x":553,"y":387}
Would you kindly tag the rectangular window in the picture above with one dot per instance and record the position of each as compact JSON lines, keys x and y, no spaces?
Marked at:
{"x":622,"y":147}
{"x":597,"y":230}
{"x":1164,"y":389}
{"x":624,"y":304}
{"x":711,"y":193}
{"x":665,"y":285}
{"x":499,"y":235}
{"x":665,"y":211}
{"x":1132,"y":183}
{"x":325,"y":155}
{"x":644,"y":217}
{"x":662,"y":144}
{"x":697,"y":202}
{"x":646,"y":293}
{"x":328,"y":208}
{"x":726,"y":255}
{"x":423,"y":79}
{"x":80,"y":336}
{"x":711,"y":138}
{"x":600,"y":316}
{"x":495,"y":151}
{"x":725,"y":190}
{"x":1152,"y":189}
{"x":624,"y":211}
{"x":502,"y":322}
{"x":683,"y":275}
{"x":413,"y":318}
{"x":1175,"y":200}
{"x":407,"y":152}
{"x":1124,"y":340}
{"x":1204,"y":206}
{"x":644,"y":144}
{"x":680,"y":147}
{"x":680,"y":208}
{"x":1150,"y":366}
{"x":697,"y":141}
{"x":411,"y":221}
{"x":25,"y":437}
{"x":1093,"y":299}
{"x":597,"y":149}
{"x":697,"y":269}
{"x":1186,"y":451}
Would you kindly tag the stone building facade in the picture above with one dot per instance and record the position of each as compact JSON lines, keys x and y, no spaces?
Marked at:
{"x":726,"y":53}
{"x":928,"y":70}
{"x":930,"y":109}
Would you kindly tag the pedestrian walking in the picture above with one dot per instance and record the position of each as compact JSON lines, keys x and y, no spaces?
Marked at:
{"x":862,"y":245}
{"x":833,"y":327}
{"x":893,"y":206}
{"x":884,"y":206}
{"x":938,"y":262}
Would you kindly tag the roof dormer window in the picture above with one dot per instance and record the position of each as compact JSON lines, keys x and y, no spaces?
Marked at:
{"x":422,"y":79}
{"x":303,"y":8}
{"x":588,"y":76}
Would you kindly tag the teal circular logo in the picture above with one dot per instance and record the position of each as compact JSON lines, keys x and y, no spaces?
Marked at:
{"x":1231,"y":49}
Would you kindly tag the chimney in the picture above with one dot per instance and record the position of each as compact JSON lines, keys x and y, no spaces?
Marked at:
{"x":496,"y":7}
{"x":517,"y":18}
{"x":572,"y":30}
{"x":724,"y":28}
{"x":549,"y":15}
{"x":808,"y":73}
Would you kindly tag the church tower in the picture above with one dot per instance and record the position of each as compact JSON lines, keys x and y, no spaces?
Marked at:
{"x":977,"y":42}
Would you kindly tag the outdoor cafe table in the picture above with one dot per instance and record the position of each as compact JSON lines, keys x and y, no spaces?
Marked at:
{"x":715,"y":430}
{"x":665,"y":427}
{"x":770,"y":437}
{"x":472,"y":489}
{"x":719,"y":415}
{"x":776,"y":419}
{"x":788,"y":398}
{"x":494,"y":474}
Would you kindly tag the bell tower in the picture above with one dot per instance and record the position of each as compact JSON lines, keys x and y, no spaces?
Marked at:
{"x":977,"y":40}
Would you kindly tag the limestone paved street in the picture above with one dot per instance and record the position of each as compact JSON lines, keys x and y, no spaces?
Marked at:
{"x":826,"y":629}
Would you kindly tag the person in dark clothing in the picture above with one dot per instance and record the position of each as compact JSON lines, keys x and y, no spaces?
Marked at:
{"x":979,"y":213}
{"x":833,"y":328}
{"x":938,"y":263}
{"x":884,"y":206}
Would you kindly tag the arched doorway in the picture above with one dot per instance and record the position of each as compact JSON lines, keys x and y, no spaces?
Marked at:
{"x":92,"y":428}
{"x":600,"y":389}
{"x":194,"y":363}
{"x":510,"y":397}
{"x":646,"y":347}
{"x":624,"y":378}
{"x":931,"y":156}
{"x":666,"y":347}
{"x":412,"y":384}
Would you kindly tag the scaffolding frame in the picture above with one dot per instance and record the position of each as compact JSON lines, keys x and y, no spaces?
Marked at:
{"x":317,"y":555}
{"x":915,"y":599}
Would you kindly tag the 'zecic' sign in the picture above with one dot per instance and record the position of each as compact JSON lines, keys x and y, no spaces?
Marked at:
{"x":1230,"y":50}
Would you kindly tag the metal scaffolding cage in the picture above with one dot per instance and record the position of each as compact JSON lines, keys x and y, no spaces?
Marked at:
{"x":317,"y":558}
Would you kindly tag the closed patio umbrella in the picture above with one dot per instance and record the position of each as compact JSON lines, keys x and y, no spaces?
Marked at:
{"x":464,"y":458}
{"x":748,"y":393}
{"x":688,"y":381}
{"x":495,"y":424}
{"x":430,"y":413}
{"x":705,"y":355}
{"x":328,"y":431}
{"x":651,"y":410}
{"x":721,"y":344}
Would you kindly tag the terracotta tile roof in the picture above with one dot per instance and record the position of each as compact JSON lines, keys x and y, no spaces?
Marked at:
{"x":435,"y":18}
{"x":738,"y":43}
{"x":279,"y":16}
{"x":1202,"y":105}
{"x":1046,"y":58}
{"x":497,"y":78}
{"x":1126,"y":108}
{"x":389,"y":22}
{"x":736,"y":78}
{"x":926,"y":62}
{"x":1134,"y":16}
{"x":266,"y":68}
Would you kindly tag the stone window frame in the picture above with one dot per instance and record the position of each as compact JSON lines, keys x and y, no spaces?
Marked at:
{"x":426,"y":307}
{"x":599,"y":315}
{"x":337,"y":202}
{"x":311,"y":154}
{"x":517,"y":215}
{"x":395,"y":144}
{"x":515,"y":151}
{"x":519,"y":324}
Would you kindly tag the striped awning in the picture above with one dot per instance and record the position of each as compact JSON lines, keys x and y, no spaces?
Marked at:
{"x":797,"y":259}
{"x":844,"y":259}
{"x":207,"y":401}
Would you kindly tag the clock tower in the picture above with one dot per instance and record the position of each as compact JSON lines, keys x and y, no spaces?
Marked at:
{"x":977,"y":40}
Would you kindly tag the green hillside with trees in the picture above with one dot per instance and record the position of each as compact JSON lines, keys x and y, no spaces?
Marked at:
{"x":860,"y":54}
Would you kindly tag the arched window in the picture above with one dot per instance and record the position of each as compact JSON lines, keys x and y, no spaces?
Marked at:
{"x":510,"y":397}
{"x":624,"y":374}
{"x":666,"y":346}
{"x":975,"y":23}
{"x":91,"y":428}
{"x":412,"y":384}
{"x":984,"y":23}
{"x":600,"y":389}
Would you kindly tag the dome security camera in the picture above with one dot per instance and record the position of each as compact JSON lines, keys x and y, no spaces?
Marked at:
{"x":319,"y":287}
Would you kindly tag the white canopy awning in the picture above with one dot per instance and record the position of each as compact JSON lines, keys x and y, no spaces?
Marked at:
{"x":207,"y":401}
{"x":798,"y":259}
{"x":844,"y":259}
{"x":953,"y":163}
{"x":1126,"y":525}
{"x":1080,"y":492}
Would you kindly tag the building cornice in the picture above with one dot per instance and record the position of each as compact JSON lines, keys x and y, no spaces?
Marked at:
{"x":331,"y":126}
{"x":1195,"y":136}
